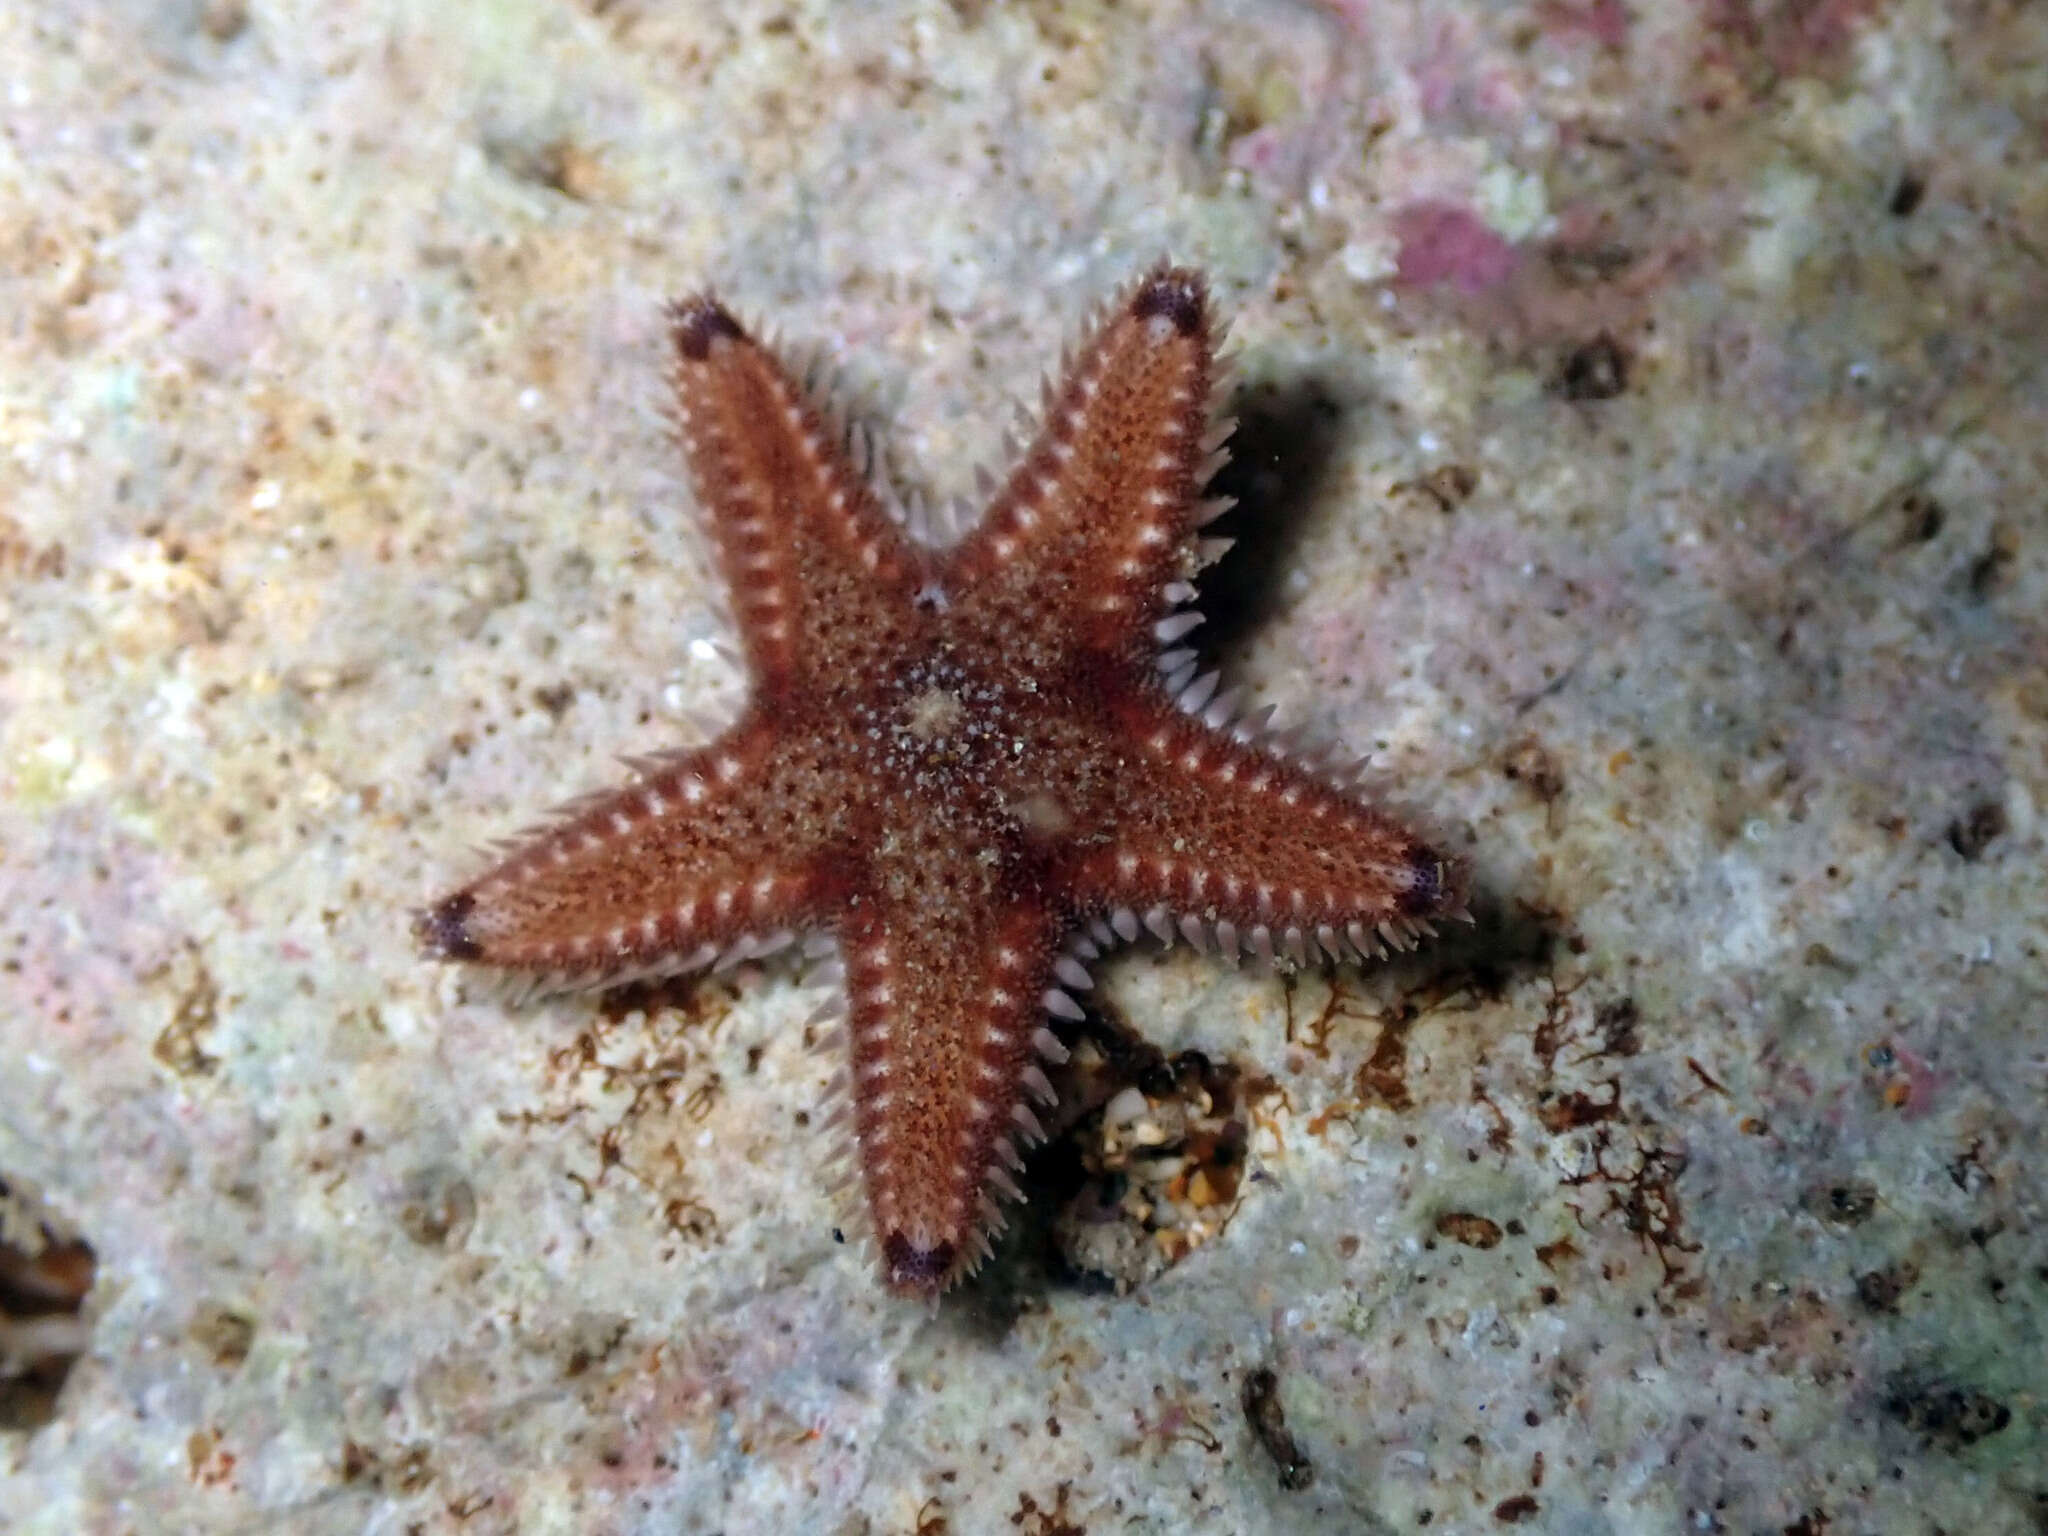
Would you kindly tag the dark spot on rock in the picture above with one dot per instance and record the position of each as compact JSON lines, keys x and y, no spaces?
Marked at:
{"x":1382,"y":1077}
{"x":1596,"y":370}
{"x":46,"y":1274}
{"x":699,"y":322}
{"x":1469,"y":1228}
{"x":1966,"y":1169}
{"x":1912,"y":186}
{"x":1574,"y":1110}
{"x":1617,"y":1023}
{"x":444,"y":931}
{"x":1530,"y":764}
{"x":224,"y":1332}
{"x":181,"y":1045}
{"x":223,"y":20}
{"x":556,"y":163}
{"x":1087,"y":1281}
{"x":1881,"y":1289}
{"x":1848,"y":1204}
{"x":1971,"y":833}
{"x":1947,"y":1415}
{"x":440,"y":1207}
{"x":1550,"y":1255}
{"x":914,"y":1269}
{"x":1991,"y":570}
{"x":1923,"y":517}
{"x":1819,"y":954}
{"x":1268,"y":1421}
{"x":1178,"y":298}
{"x":1448,"y":485}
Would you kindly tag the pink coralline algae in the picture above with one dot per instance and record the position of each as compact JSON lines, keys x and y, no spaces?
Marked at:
{"x":1447,"y":244}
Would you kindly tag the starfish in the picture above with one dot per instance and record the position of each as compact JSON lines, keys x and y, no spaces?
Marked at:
{"x":971,"y":766}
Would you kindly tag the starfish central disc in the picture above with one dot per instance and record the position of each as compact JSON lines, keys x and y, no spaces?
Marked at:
{"x":934,"y":715}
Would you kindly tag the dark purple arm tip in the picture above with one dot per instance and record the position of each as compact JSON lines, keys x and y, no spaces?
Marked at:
{"x":911,"y":1268}
{"x":1429,"y":885}
{"x":697,"y":322}
{"x":1174,"y":294}
{"x":444,"y":930}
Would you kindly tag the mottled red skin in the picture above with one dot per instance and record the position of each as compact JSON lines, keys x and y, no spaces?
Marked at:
{"x":953,"y":761}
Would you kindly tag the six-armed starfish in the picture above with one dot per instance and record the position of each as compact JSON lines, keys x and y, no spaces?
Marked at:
{"x":972,"y":766}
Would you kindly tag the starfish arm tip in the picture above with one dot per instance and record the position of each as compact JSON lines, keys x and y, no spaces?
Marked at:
{"x":918,"y":1270}
{"x":442,"y":930}
{"x":1176,"y":295}
{"x":697,"y":321}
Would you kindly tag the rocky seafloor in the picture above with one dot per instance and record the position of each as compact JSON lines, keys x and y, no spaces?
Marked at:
{"x":1644,"y":439}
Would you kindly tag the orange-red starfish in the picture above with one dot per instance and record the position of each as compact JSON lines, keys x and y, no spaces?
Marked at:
{"x":972,"y":766}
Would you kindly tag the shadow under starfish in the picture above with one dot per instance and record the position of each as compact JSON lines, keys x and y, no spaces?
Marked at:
{"x":974,"y":767}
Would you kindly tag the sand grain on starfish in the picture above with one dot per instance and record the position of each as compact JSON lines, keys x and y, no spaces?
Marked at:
{"x":973,"y":767}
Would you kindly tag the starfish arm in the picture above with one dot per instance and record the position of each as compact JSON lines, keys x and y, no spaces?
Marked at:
{"x":712,"y":854}
{"x":1077,"y":548}
{"x":946,"y":1024}
{"x":1219,"y":841}
{"x":818,"y":571}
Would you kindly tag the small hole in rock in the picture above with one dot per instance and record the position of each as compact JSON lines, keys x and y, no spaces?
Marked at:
{"x":46,"y":1272}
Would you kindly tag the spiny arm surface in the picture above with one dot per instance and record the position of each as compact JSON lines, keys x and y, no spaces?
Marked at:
{"x":711,"y":848}
{"x":820,"y":576}
{"x":1234,"y":845}
{"x":1095,"y":520}
{"x":946,"y":1024}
